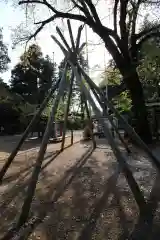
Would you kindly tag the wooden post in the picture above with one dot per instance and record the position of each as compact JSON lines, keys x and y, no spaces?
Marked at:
{"x":25,"y":134}
{"x":89,"y":118}
{"x":127,"y":127}
{"x":67,"y":111}
{"x":120,"y":157}
{"x":34,"y":178}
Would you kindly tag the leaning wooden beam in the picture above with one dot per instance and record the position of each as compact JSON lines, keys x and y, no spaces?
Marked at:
{"x":120,"y":157}
{"x":67,"y":111}
{"x":27,"y":131}
{"x":89,"y":118}
{"x":71,"y":35}
{"x":63,"y":39}
{"x":127,"y":127}
{"x":109,"y":118}
{"x":79,"y":37}
{"x":60,"y":45}
{"x":34,"y":178}
{"x":71,"y":136}
{"x":81,"y":48}
{"x":111,"y":121}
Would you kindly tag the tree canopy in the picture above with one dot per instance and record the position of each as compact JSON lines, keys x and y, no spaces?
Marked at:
{"x":123,"y":39}
{"x":4,"y":58}
{"x":33,"y":76}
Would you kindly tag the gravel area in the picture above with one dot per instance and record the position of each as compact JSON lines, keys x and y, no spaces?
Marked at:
{"x":80,"y":194}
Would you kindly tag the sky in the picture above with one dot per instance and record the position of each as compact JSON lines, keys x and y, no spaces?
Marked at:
{"x":11,"y":17}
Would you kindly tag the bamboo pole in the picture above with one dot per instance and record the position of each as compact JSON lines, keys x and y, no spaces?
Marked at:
{"x":67,"y":111}
{"x":25,"y":134}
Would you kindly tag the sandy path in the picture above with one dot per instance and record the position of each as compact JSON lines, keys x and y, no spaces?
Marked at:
{"x":79,"y":194}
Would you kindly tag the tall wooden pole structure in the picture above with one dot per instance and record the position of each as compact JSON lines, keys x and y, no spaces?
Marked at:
{"x":87,"y":86}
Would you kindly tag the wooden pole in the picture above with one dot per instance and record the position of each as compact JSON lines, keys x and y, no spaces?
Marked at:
{"x":71,"y":35}
{"x":71,"y":136}
{"x":120,"y":157}
{"x":34,"y":178}
{"x":67,"y":111}
{"x":127,"y":127}
{"x":89,"y":118}
{"x":27,"y":131}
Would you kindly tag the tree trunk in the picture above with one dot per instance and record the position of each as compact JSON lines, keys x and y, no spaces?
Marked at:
{"x":131,"y":79}
{"x":139,"y":109}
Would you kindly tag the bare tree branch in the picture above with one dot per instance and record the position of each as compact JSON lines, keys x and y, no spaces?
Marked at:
{"x":115,"y":14}
{"x":147,"y":31}
{"x":59,"y":14}
{"x":147,"y":37}
{"x":122,"y":22}
{"x":134,"y":15}
{"x":93,"y":11}
{"x":106,"y":33}
{"x":82,"y":8}
{"x":133,"y":48}
{"x":78,"y":6}
{"x":85,"y":7}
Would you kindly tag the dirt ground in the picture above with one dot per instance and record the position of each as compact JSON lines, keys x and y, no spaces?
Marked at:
{"x":81,"y":194}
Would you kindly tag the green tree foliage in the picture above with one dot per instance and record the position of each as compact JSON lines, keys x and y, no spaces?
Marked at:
{"x":149,"y":68}
{"x":33,"y":76}
{"x":121,"y":39}
{"x":4,"y":90}
{"x":112,"y":77}
{"x":13,"y":111}
{"x":10,"y":117}
{"x":24,"y":82}
{"x":4,"y":59}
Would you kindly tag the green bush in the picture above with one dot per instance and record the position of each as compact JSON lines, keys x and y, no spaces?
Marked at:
{"x":10,"y":118}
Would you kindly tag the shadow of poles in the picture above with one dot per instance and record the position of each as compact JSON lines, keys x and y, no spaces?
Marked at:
{"x":123,"y":220}
{"x":26,"y":170}
{"x":21,"y":188}
{"x":99,"y":206}
{"x":144,"y":225}
{"x":62,"y":185}
{"x":16,"y":175}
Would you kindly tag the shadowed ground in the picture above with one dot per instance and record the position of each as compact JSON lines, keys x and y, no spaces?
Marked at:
{"x":80,"y":194}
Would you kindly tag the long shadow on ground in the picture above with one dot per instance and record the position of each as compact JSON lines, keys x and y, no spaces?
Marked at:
{"x":82,"y":204}
{"x":16,"y":190}
{"x":8,"y":143}
{"x":89,"y":201}
{"x":19,"y":191}
{"x":27,"y":169}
